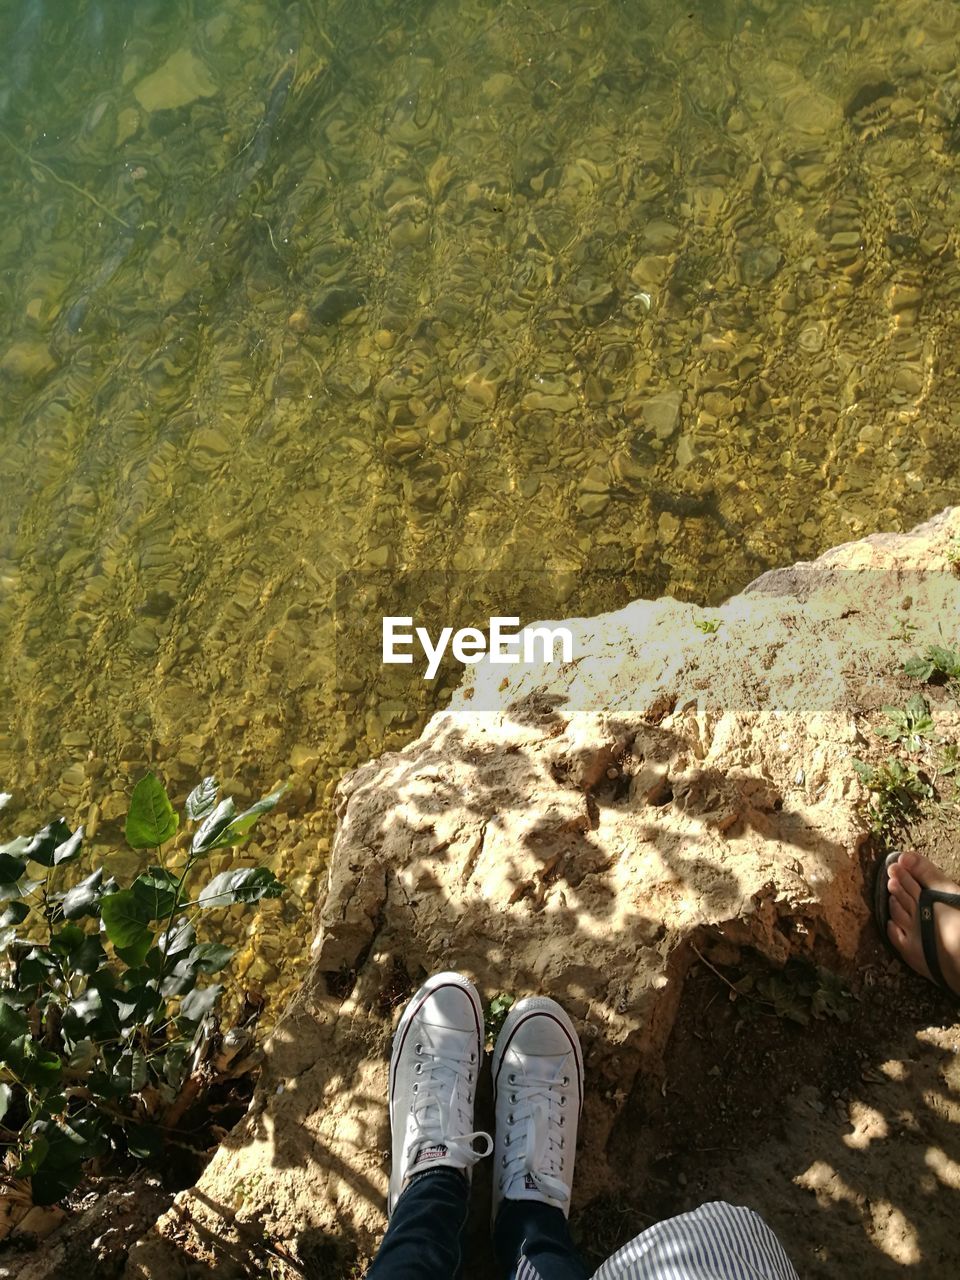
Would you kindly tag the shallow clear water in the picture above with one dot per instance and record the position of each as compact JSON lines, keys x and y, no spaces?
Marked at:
{"x":650,"y":295}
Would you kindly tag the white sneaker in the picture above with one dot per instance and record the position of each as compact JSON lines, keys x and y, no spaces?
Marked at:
{"x":538,"y":1095}
{"x":437,"y":1050}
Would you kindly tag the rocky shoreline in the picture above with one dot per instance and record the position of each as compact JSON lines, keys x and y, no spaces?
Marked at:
{"x":682,"y":791}
{"x":674,"y":788}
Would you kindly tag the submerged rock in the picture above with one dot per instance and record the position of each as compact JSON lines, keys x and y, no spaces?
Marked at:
{"x":27,"y":360}
{"x":176,"y":83}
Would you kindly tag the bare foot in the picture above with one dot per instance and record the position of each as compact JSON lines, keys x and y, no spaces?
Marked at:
{"x":905,"y":877}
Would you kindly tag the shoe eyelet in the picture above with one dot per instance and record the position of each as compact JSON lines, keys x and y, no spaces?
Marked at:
{"x":513,"y":1098}
{"x":511,"y":1078}
{"x":416,"y":1088}
{"x":563,"y":1100}
{"x":565,"y":1081}
{"x":503,"y":1164}
{"x":563,"y":1121}
{"x":510,"y":1120}
{"x":419,"y":1068}
{"x":473,"y":1057}
{"x":418,"y":1049}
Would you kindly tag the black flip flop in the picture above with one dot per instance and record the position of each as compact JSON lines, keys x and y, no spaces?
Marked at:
{"x":928,"y":898}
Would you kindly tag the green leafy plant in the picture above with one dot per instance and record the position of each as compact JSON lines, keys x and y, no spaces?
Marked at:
{"x":953,"y":553}
{"x":904,"y":632}
{"x":936,"y":663}
{"x":709,"y":626}
{"x":949,"y":762}
{"x":105,"y":995}
{"x":798,"y":992}
{"x":497,"y":1011}
{"x":909,"y":725}
{"x":897,"y":790}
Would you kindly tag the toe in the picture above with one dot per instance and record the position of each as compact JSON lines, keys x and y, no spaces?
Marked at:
{"x":900,"y":915}
{"x":896,"y":935}
{"x":921,"y":871}
{"x":904,"y":880}
{"x":907,"y":900}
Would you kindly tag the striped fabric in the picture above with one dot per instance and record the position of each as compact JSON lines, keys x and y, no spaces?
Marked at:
{"x":718,"y":1241}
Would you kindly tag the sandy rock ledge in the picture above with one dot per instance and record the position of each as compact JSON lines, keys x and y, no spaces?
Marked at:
{"x":669,"y":789}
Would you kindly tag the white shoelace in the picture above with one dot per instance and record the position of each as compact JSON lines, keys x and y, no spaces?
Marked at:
{"x":535,"y":1136}
{"x":443,"y":1086}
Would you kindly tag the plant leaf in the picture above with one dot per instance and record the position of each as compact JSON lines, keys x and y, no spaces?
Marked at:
{"x":22,"y":889}
{"x":83,"y":898}
{"x":15,"y":913}
{"x":83,"y":951}
{"x":130,"y":1071}
{"x":151,"y":820}
{"x":35,"y":968}
{"x":202,"y":799}
{"x":13,"y":1024}
{"x":11,"y":868}
{"x":919,"y":668}
{"x":6,"y":1093}
{"x":199,"y":1003}
{"x":206,"y":957}
{"x":156,"y":888}
{"x":25,"y":1058}
{"x":212,"y":826}
{"x":82,"y":1057}
{"x":918,"y":708}
{"x":144,"y":1141}
{"x":60,"y":1170}
{"x":41,"y":847}
{"x":240,"y":827}
{"x":33,"y":1157}
{"x":125,"y":918}
{"x":68,"y":849}
{"x":174,"y":1061}
{"x":173,"y":942}
{"x":210,"y":957}
{"x":83,"y":1017}
{"x":247,"y":884}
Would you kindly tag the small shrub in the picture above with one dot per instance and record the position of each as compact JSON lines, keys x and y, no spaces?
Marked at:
{"x":949,"y":762}
{"x":106,"y":995}
{"x":937,"y":664}
{"x":909,"y":725}
{"x":798,"y":992}
{"x":497,"y":1011}
{"x":709,"y":626}
{"x":898,"y":790}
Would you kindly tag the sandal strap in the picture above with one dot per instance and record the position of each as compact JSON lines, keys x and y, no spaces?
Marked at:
{"x":928,"y":933}
{"x":940,"y":895}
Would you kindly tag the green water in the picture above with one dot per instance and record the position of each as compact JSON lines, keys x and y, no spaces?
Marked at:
{"x":665,"y":292}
